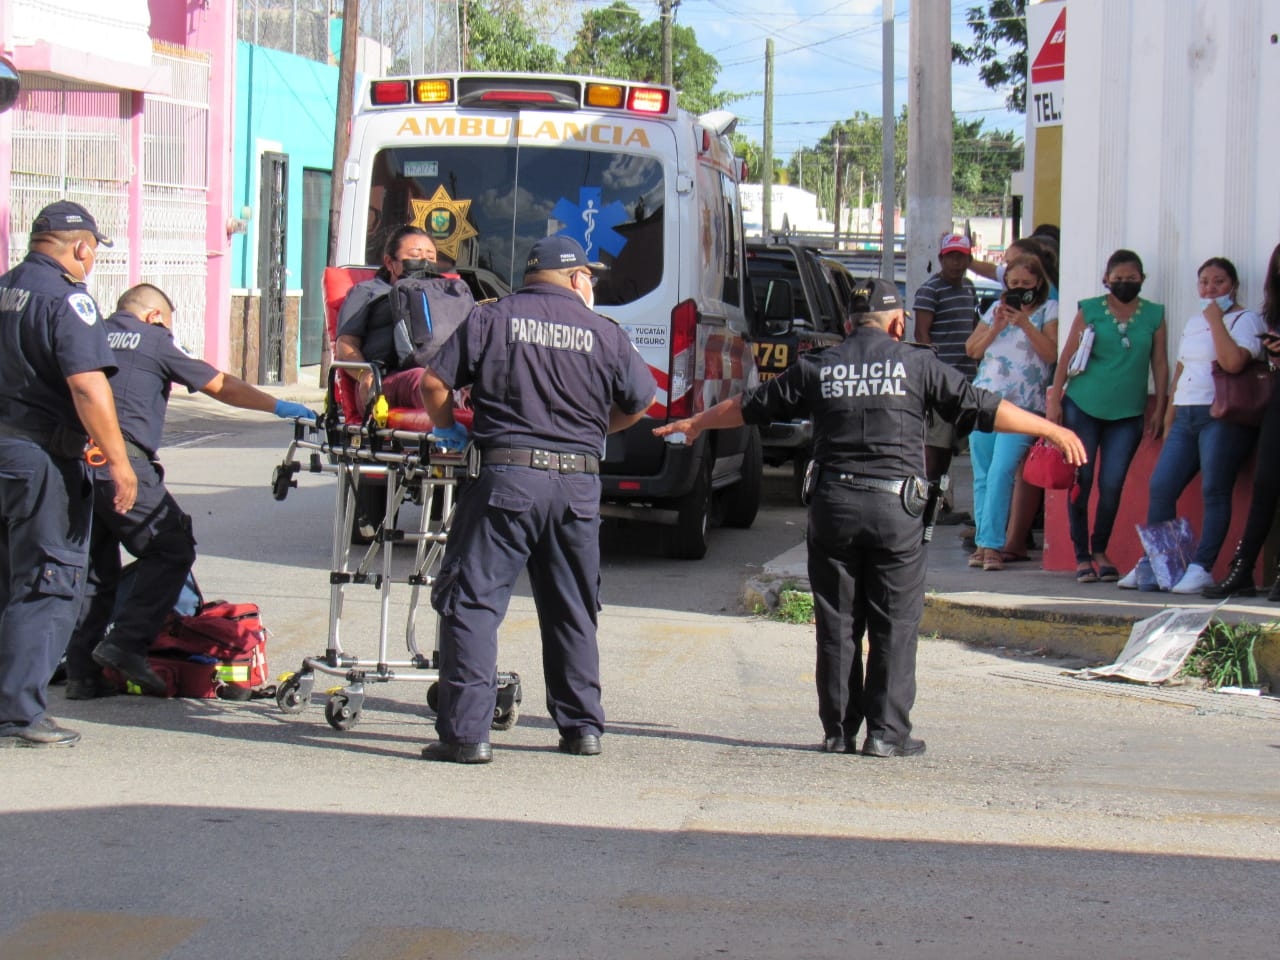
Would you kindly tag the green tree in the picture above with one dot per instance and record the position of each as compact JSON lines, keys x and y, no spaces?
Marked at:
{"x":616,"y":42}
{"x":981,"y":162}
{"x":999,"y":49}
{"x":499,"y":38}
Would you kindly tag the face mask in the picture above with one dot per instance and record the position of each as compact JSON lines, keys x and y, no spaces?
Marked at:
{"x":1126,"y":291}
{"x":1223,"y":301}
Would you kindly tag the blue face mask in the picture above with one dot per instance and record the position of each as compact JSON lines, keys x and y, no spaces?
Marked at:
{"x":1223,"y":301}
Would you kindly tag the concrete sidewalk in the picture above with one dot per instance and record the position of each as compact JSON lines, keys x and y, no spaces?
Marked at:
{"x":1028,"y":607}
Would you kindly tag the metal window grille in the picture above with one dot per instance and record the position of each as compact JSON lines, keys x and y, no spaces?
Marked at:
{"x":175,"y":184}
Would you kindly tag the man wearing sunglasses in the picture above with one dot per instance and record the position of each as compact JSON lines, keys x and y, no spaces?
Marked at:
{"x":549,"y":379}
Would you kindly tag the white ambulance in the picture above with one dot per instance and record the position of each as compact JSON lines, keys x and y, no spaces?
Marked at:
{"x":489,"y":163}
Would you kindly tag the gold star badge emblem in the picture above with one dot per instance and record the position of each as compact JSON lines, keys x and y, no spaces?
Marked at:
{"x":445,"y":219}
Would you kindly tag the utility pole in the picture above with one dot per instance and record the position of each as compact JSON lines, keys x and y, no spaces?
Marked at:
{"x":839,"y":185}
{"x":929,"y":126}
{"x":665,"y":17}
{"x":341,"y":141}
{"x":888,"y":125}
{"x":766,"y":167}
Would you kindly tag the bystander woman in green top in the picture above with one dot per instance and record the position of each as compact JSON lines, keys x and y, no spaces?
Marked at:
{"x":1104,"y":405}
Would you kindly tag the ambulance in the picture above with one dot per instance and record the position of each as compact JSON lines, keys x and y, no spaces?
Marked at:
{"x":489,"y":163}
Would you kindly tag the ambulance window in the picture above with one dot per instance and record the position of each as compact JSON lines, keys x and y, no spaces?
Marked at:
{"x":486,"y":205}
{"x":733,"y":244}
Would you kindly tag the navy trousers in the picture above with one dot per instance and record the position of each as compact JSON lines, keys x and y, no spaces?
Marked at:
{"x":509,"y":519}
{"x":46,"y":507}
{"x":867,"y":571}
{"x":158,"y":534}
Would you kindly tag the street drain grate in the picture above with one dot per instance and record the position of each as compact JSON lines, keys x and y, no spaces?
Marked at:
{"x":1202,"y":701}
{"x":192,"y":438}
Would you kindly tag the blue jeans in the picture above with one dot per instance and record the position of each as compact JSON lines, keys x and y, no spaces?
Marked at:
{"x":995,"y":458}
{"x":1199,"y":443}
{"x":1113,"y":442}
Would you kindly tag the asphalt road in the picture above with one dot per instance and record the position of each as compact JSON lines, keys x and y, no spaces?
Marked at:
{"x":1048,"y":819}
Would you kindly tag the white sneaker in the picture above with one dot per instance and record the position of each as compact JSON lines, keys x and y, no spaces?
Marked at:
{"x":1130,"y":580}
{"x":1194,"y":580}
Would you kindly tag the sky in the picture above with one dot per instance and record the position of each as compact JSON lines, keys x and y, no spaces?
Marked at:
{"x":826,"y":62}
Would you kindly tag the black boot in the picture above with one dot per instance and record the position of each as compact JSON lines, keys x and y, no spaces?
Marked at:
{"x":1239,"y":581}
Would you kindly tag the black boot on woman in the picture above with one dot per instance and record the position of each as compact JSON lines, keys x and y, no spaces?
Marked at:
{"x":1239,"y":582}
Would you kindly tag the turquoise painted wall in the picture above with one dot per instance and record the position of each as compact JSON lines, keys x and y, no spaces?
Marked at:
{"x":289,"y":101}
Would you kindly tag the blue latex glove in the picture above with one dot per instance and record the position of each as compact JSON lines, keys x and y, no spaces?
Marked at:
{"x":450,"y":438}
{"x":291,"y":410}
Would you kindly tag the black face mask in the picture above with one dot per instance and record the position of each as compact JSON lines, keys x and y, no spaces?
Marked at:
{"x":1126,"y":291}
{"x":1019,"y":298}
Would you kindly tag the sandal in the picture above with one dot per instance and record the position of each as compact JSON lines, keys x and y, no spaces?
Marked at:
{"x":1107,"y":571}
{"x":1010,"y":557}
{"x":976,"y":558}
{"x":1085,"y":572}
{"x":992,"y":561}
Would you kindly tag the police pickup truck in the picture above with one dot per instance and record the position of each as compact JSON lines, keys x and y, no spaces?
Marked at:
{"x":804,"y":297}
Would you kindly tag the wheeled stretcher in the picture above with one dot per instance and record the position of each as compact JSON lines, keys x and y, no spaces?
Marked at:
{"x":396,"y":450}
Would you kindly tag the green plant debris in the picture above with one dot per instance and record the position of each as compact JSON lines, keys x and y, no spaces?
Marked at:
{"x":1223,"y":656}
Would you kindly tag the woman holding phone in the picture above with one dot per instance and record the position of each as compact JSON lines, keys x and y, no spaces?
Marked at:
{"x":1266,"y":476}
{"x":1015,"y":345}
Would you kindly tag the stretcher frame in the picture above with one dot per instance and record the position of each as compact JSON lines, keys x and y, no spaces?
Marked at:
{"x":413,"y":469}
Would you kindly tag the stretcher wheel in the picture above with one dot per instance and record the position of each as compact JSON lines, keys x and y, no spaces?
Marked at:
{"x":340,"y":714}
{"x":289,"y":696}
{"x":433,"y":697}
{"x":505,"y":719}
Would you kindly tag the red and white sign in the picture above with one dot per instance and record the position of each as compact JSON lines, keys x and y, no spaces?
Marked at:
{"x":1047,"y":36}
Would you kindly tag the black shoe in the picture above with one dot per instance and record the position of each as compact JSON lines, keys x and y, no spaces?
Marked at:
{"x":132,"y":666}
{"x":838,"y":745}
{"x":91,"y":688}
{"x":909,"y":747}
{"x":1274,"y":595}
{"x":458,"y":752}
{"x":586,"y":745}
{"x":42,"y":733}
{"x":1239,"y":582}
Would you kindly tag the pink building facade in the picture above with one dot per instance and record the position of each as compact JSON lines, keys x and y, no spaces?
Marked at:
{"x":126,"y":107}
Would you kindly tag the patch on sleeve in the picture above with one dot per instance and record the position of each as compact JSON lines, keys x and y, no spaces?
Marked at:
{"x":84,"y":307}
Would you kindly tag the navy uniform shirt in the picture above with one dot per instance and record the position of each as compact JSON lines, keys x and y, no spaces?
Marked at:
{"x":868,"y":397}
{"x":366,"y":315}
{"x":50,"y":329}
{"x":544,"y":370}
{"x":149,"y":363}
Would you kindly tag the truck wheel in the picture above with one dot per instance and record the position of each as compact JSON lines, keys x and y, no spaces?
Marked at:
{"x":742,"y":500}
{"x":687,"y":540}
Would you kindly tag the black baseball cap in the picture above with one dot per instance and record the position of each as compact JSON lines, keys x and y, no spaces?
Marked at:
{"x":875,"y":294}
{"x":557,"y":252}
{"x":67,"y":215}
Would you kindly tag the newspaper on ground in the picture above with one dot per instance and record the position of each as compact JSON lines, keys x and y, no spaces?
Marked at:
{"x":1157,"y":646}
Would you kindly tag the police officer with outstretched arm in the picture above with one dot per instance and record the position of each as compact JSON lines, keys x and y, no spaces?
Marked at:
{"x":550,"y":378}
{"x":156,"y":531}
{"x":868,"y":399}
{"x":54,"y":364}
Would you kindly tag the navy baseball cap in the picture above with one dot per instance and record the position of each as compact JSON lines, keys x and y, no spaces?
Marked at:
{"x":874,"y":295}
{"x":67,"y":215}
{"x":557,"y":252}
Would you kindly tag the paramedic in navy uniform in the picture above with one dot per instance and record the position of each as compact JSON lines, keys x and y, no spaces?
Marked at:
{"x":868,"y":398}
{"x":549,"y":378}
{"x":54,"y":364}
{"x":156,"y":531}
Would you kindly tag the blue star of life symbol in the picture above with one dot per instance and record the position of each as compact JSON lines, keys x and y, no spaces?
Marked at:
{"x":590,"y":223}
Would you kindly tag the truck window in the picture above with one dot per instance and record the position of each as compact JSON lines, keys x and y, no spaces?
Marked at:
{"x":613,"y":203}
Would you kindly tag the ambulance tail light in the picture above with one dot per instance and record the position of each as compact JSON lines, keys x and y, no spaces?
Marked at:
{"x":648,"y":99}
{"x":386,"y":93}
{"x":684,"y":341}
{"x":608,"y":95}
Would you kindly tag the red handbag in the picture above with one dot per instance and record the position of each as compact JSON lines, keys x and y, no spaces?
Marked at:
{"x":1046,"y":467}
{"x":1242,"y":397}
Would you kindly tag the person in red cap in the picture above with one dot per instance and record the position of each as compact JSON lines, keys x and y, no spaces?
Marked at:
{"x":54,"y":395}
{"x":945,"y":310}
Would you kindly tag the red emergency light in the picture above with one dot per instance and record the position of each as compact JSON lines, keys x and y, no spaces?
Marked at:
{"x":389,"y":92}
{"x":648,"y":99}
